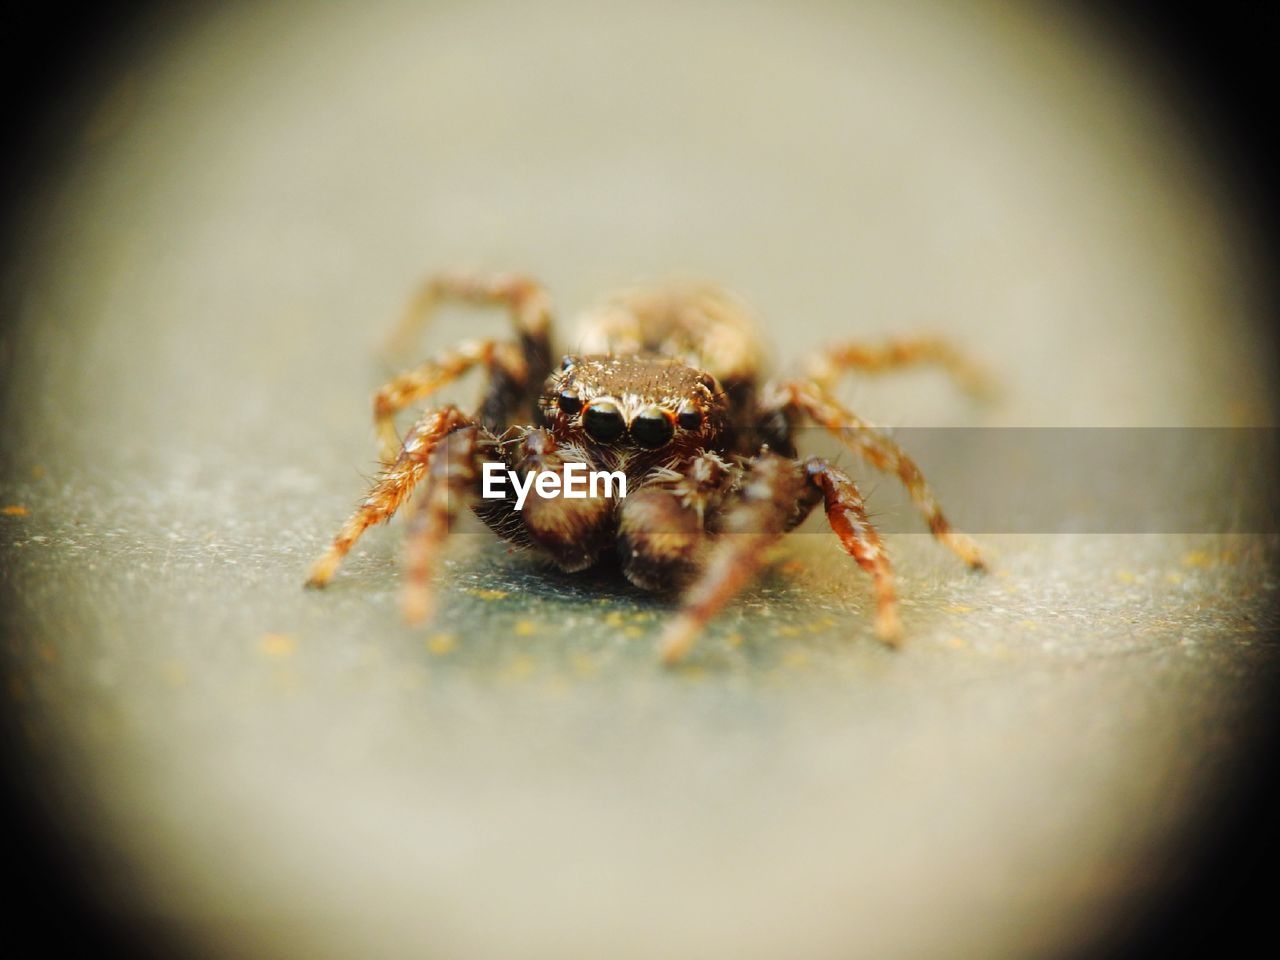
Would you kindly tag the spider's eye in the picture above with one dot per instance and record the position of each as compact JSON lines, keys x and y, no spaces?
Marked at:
{"x":690,"y":417}
{"x":603,"y":421}
{"x":569,"y":402}
{"x":652,"y":427}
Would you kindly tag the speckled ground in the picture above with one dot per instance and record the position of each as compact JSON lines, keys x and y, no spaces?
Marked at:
{"x":187,"y":381}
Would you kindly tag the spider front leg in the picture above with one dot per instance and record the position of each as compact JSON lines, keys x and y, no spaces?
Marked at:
{"x":508,"y":374}
{"x":393,"y":485}
{"x":515,"y":370}
{"x":661,"y":527}
{"x":524,"y":298}
{"x":572,"y":530}
{"x":775,"y":495}
{"x":880,"y":451}
{"x":452,"y":483}
{"x":848,"y":518}
{"x":825,"y":367}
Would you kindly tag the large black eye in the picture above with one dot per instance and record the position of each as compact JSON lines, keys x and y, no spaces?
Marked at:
{"x":690,"y":417}
{"x":603,"y":421}
{"x":652,"y":428}
{"x":569,"y":402}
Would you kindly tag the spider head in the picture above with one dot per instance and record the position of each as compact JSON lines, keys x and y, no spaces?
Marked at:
{"x":648,"y":402}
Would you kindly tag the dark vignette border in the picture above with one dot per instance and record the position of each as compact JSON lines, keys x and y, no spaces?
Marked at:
{"x":1211,"y":61}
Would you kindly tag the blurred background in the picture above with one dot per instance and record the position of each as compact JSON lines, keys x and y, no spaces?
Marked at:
{"x":215,"y":213}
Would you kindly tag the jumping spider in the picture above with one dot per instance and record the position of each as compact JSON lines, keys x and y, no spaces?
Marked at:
{"x":664,"y":389}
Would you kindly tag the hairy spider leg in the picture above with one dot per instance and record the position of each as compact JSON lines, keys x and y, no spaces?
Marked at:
{"x":525,"y":299}
{"x":393,"y":485}
{"x":515,"y":370}
{"x":572,"y":531}
{"x":774,"y":496}
{"x":825,"y":367}
{"x":452,"y":482}
{"x":883,"y":454}
{"x":662,"y":526}
{"x":847,"y":515}
{"x":502,"y":360}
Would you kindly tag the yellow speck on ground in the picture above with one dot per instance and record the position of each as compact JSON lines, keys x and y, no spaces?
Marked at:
{"x":37,"y":472}
{"x":441,"y":643}
{"x":956,"y":643}
{"x":1173,"y":577}
{"x":957,"y":608}
{"x":525,"y":628}
{"x":277,"y":645}
{"x":734,"y":639}
{"x":788,"y":631}
{"x":1126,"y":576}
{"x":14,"y":510}
{"x":613,"y":618}
{"x":487,"y":594}
{"x":633,"y":632}
{"x":1196,"y":558}
{"x":174,"y":673}
{"x":583,"y":666}
{"x":1028,"y":625}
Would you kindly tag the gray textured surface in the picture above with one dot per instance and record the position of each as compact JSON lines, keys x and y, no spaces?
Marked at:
{"x":187,"y":409}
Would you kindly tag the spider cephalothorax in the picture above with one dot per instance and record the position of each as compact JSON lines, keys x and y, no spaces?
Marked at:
{"x":664,"y":395}
{"x":644,"y":407}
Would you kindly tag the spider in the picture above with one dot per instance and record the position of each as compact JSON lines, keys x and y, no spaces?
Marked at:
{"x":664,"y":389}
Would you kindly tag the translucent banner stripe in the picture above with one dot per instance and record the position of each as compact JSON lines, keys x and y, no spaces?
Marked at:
{"x":1071,"y":480}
